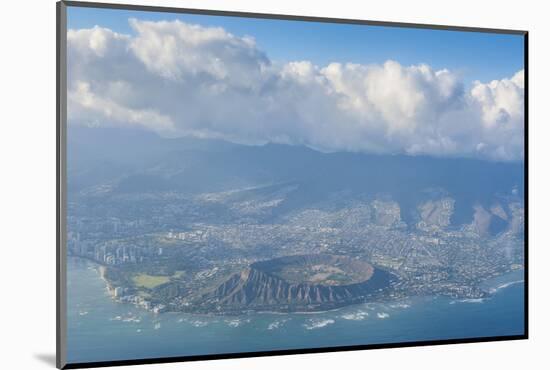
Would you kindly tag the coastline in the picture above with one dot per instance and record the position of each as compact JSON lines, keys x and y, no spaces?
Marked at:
{"x":488,"y":286}
{"x":179,"y":333}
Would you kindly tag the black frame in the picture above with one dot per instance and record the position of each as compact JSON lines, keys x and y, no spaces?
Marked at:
{"x":61,"y":118}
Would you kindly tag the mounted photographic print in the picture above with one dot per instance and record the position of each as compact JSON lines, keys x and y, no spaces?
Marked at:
{"x":236,"y":184}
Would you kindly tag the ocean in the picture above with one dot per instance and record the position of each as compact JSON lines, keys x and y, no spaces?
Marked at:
{"x":100,"y":329}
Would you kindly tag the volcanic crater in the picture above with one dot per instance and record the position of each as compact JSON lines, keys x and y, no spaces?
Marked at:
{"x":300,"y":283}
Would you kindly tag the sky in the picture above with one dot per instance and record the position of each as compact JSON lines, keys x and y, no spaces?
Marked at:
{"x":332,"y":87}
{"x":476,"y":56}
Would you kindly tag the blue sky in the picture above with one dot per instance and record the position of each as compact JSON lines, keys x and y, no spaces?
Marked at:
{"x":179,"y":80}
{"x":473,"y":56}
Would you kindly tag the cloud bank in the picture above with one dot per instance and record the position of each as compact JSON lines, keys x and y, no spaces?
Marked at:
{"x":181,"y":79}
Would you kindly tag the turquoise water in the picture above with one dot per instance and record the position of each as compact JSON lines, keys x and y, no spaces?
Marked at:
{"x":100,"y":329}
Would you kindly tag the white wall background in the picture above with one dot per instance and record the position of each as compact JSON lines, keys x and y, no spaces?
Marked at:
{"x":27,"y":182}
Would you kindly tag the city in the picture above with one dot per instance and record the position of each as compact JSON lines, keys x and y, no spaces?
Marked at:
{"x":169,"y":261}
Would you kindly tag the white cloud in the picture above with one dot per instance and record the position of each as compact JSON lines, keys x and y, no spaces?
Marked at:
{"x":176,"y":50}
{"x":88,"y":102}
{"x":181,"y":79}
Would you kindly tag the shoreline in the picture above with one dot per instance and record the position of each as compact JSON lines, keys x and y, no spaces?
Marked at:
{"x":490,"y":290}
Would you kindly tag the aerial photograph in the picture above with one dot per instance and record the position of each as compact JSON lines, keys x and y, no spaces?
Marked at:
{"x":245,"y":185}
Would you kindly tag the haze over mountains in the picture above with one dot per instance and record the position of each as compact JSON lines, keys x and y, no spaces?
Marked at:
{"x":443,"y":191}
